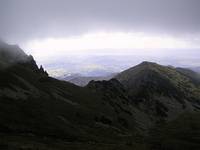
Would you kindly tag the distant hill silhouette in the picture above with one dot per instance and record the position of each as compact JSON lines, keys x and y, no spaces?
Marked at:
{"x":196,"y":69}
{"x":84,"y":80}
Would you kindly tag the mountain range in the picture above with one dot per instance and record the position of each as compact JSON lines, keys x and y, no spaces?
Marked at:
{"x":148,"y":106}
{"x":81,"y":80}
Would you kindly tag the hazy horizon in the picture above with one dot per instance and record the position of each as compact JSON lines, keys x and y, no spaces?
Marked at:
{"x":80,"y":33}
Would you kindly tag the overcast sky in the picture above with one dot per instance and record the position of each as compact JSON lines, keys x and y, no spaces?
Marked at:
{"x":26,"y":19}
{"x":81,"y":25}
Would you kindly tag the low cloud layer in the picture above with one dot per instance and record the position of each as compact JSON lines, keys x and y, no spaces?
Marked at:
{"x":49,"y":28}
{"x":29,"y":19}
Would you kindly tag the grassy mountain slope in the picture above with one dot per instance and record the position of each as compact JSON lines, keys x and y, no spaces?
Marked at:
{"x":183,"y":133}
{"x":162,"y":91}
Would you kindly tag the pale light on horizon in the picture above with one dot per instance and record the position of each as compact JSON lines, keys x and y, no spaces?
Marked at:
{"x":104,"y":43}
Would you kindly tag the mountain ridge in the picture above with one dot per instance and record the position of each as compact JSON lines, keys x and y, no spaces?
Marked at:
{"x":150,"y":81}
{"x":114,"y":114}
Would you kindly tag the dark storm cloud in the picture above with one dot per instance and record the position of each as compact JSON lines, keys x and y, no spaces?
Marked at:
{"x":27,"y":19}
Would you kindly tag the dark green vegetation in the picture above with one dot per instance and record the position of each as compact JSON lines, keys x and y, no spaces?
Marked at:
{"x":146,"y":107}
{"x":181,"y":133}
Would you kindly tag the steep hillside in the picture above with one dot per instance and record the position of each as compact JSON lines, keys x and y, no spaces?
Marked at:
{"x":34,"y":105}
{"x":193,"y":76}
{"x":10,"y":54}
{"x":183,"y":133}
{"x":161,"y":90}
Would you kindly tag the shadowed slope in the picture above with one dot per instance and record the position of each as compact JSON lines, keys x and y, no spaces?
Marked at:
{"x":53,"y":114}
{"x":161,"y":90}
